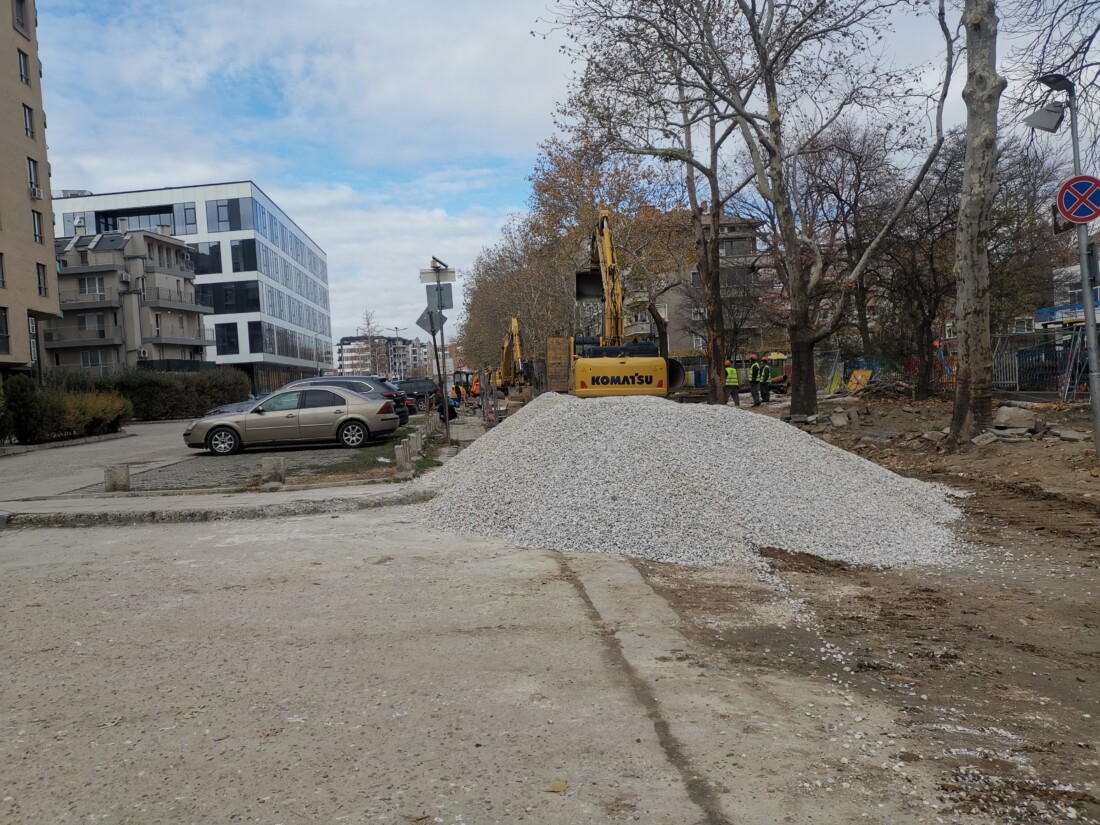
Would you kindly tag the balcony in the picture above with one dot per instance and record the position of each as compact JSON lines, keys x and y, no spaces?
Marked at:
{"x":173,"y":299}
{"x":178,"y":339}
{"x":68,"y":337}
{"x":72,"y":299}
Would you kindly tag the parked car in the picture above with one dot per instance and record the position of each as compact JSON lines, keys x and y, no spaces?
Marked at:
{"x":420,"y":389}
{"x":303,"y":415}
{"x":362,"y":384}
{"x":237,"y":406}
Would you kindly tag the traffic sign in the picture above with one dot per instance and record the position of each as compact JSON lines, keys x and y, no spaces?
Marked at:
{"x":431,"y":321}
{"x":1079,"y":199}
{"x":438,"y":276}
{"x":440,"y":296}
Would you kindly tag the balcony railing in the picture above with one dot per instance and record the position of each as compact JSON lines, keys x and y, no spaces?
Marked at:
{"x":179,"y":339}
{"x":66,"y":336}
{"x":107,"y":296}
{"x":159,"y":296}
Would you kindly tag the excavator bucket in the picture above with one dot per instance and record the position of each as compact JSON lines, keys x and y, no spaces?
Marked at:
{"x":589,"y":285}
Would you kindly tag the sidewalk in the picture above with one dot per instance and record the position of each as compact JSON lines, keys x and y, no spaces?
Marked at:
{"x":73,"y":510}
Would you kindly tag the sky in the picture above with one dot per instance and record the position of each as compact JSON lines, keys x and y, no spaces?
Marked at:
{"x":389,"y":131}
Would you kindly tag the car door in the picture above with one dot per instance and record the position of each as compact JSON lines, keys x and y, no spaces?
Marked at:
{"x":274,"y":420}
{"x":320,"y":413}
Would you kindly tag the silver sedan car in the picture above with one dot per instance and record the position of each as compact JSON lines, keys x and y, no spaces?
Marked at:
{"x":304,"y":415}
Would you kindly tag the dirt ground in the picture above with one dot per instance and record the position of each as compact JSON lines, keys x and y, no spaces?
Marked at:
{"x":992,"y":667}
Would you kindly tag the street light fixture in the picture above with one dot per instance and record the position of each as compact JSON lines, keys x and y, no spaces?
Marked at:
{"x":1048,"y":119}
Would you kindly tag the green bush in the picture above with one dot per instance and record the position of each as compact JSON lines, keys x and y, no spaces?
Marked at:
{"x":21,"y":400}
{"x":161,"y":395}
{"x":95,"y":413}
{"x":5,"y":419}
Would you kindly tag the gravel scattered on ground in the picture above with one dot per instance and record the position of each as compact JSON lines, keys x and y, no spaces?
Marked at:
{"x":686,"y":483}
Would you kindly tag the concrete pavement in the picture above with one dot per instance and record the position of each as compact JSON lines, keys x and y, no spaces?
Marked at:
{"x":52,"y":488}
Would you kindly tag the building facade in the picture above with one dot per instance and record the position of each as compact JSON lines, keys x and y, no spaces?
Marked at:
{"x":392,"y":356}
{"x":265,"y":279}
{"x":126,"y":298}
{"x":28,"y":281}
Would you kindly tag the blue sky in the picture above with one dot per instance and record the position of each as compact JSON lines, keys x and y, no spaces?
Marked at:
{"x":389,"y":131}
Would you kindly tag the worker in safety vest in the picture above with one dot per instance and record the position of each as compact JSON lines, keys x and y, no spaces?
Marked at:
{"x":755,"y":371}
{"x":765,"y":380}
{"x":733,"y":389}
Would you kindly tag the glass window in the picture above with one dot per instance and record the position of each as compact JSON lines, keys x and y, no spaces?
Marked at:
{"x":229,"y":215}
{"x":92,"y":285}
{"x":207,"y":258}
{"x":244,"y":255}
{"x":24,"y":67}
{"x":20,"y":18}
{"x":32,"y":172}
{"x":43,"y":285}
{"x":93,"y":358}
{"x":91,"y":323}
{"x":282,"y":401}
{"x":225,"y":337}
{"x":3,"y":283}
{"x":36,"y":223}
{"x":255,"y":336}
{"x":28,"y":121}
{"x":5,"y":340}
{"x":698,"y":314}
{"x":321,"y":398}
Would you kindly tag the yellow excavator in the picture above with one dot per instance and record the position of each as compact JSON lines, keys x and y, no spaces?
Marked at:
{"x":514,"y":374}
{"x":610,"y":365}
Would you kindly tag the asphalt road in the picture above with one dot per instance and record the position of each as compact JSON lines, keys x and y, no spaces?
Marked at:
{"x":158,"y":460}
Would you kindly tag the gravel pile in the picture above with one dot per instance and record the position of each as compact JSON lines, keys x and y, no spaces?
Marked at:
{"x":687,"y":483}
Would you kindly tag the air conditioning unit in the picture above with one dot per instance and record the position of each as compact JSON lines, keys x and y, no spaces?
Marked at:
{"x":36,"y":193}
{"x":143,"y":353}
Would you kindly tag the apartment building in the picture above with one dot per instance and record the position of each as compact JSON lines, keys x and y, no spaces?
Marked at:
{"x":126,"y":298}
{"x":265,"y":278}
{"x":28,"y":282}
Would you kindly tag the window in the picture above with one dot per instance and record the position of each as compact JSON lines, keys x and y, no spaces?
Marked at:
{"x":244,"y":255}
{"x":24,"y":67}
{"x":32,"y":173}
{"x":20,"y":19}
{"x":92,"y":285}
{"x":225,"y":336}
{"x":94,"y":359}
{"x":43,"y":285}
{"x":229,"y":215}
{"x":3,"y":283}
{"x":283,"y":402}
{"x":36,"y":223}
{"x":5,"y":339}
{"x":207,"y":258}
{"x":639,"y":317}
{"x":695,"y":279}
{"x":321,"y":398}
{"x":698,"y":314}
{"x":255,"y":336}
{"x":92,"y":323}
{"x":698,"y":342}
{"x":28,"y":121}
{"x":156,"y":324}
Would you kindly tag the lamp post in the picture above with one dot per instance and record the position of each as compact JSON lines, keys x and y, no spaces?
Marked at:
{"x":1048,"y":119}
{"x":394,"y":367}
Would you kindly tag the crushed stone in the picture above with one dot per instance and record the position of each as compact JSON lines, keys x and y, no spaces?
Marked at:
{"x":686,"y":483}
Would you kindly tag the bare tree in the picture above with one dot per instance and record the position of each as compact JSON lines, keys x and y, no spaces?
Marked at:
{"x":777,"y":73}
{"x":974,"y":377}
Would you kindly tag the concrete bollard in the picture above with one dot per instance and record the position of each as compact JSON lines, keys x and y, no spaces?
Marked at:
{"x":116,"y":478}
{"x":273,"y":470}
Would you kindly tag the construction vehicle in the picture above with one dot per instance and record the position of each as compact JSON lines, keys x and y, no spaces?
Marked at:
{"x":610,"y":365}
{"x":513,"y":376}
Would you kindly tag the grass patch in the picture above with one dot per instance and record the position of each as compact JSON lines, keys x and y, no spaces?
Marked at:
{"x":360,"y":465}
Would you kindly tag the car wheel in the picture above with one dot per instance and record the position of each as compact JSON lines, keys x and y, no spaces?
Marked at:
{"x":353,"y":434}
{"x":223,"y":441}
{"x":421,"y":404}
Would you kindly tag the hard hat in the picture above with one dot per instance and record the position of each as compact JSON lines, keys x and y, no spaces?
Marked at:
{"x":765,"y":358}
{"x":729,"y":363}
{"x":752,"y":357}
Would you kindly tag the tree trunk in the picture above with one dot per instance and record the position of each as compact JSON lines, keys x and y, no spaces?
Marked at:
{"x":860,"y":298}
{"x":662,"y":329}
{"x":974,"y":380}
{"x":925,"y":359}
{"x":803,"y":380}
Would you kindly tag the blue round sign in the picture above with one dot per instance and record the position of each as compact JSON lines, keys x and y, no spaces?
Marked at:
{"x":1079,"y":199}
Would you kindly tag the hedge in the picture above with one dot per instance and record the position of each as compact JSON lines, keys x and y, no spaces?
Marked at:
{"x":33,"y":414}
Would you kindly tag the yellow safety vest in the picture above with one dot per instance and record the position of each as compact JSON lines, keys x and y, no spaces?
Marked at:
{"x":731,"y":377}
{"x":754,"y":372}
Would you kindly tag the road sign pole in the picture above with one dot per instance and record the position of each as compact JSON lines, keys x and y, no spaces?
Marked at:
{"x":1087,"y":287}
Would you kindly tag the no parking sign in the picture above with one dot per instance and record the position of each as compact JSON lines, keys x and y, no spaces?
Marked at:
{"x":1079,"y":199}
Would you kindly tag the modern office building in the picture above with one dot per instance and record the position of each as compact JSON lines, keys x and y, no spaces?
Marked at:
{"x":28,"y":283}
{"x":128,"y":298}
{"x":266,"y":280}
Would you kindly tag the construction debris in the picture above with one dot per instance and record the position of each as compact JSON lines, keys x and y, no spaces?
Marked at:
{"x":671,"y":482}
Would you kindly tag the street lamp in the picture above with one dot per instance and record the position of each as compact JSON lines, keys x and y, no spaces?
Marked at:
{"x":1048,"y":119}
